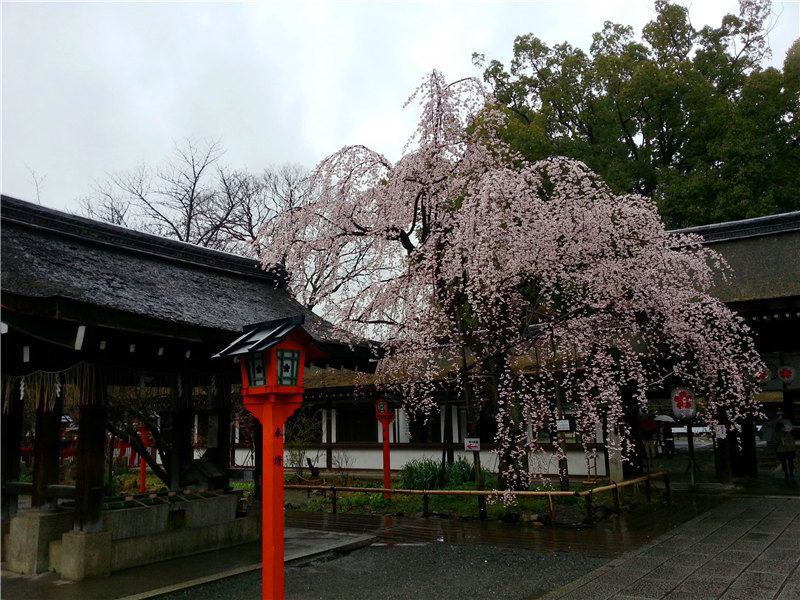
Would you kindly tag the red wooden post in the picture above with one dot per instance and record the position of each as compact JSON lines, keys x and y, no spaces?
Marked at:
{"x":272,"y":410}
{"x":272,"y":357}
{"x":385,"y":415}
{"x":145,"y":435}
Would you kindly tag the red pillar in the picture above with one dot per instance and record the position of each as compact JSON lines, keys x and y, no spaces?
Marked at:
{"x":145,"y":436}
{"x":386,"y":417}
{"x":272,"y":410}
{"x":387,"y":467}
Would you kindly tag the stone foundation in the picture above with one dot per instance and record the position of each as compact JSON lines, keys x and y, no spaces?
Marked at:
{"x":42,"y":541}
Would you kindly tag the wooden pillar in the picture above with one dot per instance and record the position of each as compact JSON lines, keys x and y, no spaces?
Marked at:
{"x":222,"y":412}
{"x":46,"y":452}
{"x":90,"y":457}
{"x":11,"y":442}
{"x":224,"y":437}
{"x":182,"y":454}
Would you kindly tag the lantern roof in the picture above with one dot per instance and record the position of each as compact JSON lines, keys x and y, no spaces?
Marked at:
{"x":263,"y":336}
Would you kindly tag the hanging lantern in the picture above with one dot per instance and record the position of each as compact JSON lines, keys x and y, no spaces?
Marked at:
{"x":786,"y":374}
{"x":684,"y":404}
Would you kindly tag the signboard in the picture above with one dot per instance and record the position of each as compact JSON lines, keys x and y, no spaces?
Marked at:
{"x":472,"y":444}
{"x":562,"y":425}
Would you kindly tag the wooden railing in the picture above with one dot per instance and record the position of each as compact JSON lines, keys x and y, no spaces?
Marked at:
{"x":587,"y":495}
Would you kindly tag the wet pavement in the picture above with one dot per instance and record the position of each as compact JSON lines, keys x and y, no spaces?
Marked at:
{"x":729,"y":542}
{"x":609,"y":538}
{"x":743,"y":549}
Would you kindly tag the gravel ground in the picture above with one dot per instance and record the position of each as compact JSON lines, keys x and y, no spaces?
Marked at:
{"x":430,"y":571}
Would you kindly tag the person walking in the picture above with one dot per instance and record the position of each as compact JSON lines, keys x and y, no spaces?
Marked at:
{"x":783,"y":443}
{"x":649,"y":429}
{"x":668,"y":439}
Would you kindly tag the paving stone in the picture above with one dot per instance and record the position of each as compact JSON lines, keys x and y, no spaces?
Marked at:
{"x":785,"y":541}
{"x":623,"y":575}
{"x":681,"y":595}
{"x":708,"y":548}
{"x":789,"y":592}
{"x":782,"y":553}
{"x":766,"y":565}
{"x":705,"y":587}
{"x":650,"y":588}
{"x":758,"y":585}
{"x":672,"y":572}
{"x":738,"y":556}
{"x":689,"y":559}
{"x":722,"y":568}
{"x":594,"y":591}
{"x":757,"y":540}
{"x":794,"y":577}
{"x":675,"y":544}
{"x":645,"y":563}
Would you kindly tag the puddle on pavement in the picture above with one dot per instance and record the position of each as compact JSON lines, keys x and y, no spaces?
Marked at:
{"x":608,"y":538}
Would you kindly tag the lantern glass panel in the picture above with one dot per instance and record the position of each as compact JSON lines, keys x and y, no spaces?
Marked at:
{"x":381,"y":408}
{"x":288,"y":367}
{"x":257,"y":369}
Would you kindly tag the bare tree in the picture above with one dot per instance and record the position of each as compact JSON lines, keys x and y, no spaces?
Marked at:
{"x":194,"y":198}
{"x":258,"y":202}
{"x":37,"y":181}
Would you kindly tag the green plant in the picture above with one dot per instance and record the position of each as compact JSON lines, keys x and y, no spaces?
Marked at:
{"x":420,"y":474}
{"x":248,"y":488}
{"x":460,"y":473}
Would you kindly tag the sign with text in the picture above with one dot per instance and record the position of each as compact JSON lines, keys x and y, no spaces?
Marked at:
{"x":472,"y":444}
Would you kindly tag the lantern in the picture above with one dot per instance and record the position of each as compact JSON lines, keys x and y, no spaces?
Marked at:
{"x":382,"y":409}
{"x":271,"y":356}
{"x":786,"y":374}
{"x":684,"y":404}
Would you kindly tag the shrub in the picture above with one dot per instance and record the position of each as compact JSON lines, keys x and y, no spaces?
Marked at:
{"x":420,"y":474}
{"x":459,"y":473}
{"x":425,"y":474}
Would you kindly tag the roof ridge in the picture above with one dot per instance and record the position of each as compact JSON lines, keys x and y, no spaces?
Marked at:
{"x":109,"y":234}
{"x":744,"y":228}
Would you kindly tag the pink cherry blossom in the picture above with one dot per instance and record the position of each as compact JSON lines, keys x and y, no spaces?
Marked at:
{"x":523,"y":285}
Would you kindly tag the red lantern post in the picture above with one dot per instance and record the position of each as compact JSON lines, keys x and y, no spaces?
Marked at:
{"x":385,"y":415}
{"x":145,"y":436}
{"x":272,"y":356}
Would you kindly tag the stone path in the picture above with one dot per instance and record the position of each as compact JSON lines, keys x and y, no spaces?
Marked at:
{"x":744,"y":549}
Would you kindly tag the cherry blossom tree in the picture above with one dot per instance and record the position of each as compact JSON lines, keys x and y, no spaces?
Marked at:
{"x":533,"y":282}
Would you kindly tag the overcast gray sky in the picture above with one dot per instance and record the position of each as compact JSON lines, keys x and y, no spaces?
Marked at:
{"x":96,"y":88}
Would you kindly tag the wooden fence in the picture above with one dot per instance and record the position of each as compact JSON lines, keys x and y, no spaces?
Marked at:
{"x":587,"y":495}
